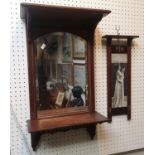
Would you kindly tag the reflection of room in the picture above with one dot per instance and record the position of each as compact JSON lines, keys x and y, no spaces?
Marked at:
{"x":61,"y":68}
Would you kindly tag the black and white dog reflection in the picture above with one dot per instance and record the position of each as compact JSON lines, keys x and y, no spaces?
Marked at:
{"x":77,"y":92}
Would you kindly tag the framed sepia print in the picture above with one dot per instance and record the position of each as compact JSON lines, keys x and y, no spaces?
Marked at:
{"x":119,"y":80}
{"x":67,"y":47}
{"x":119,"y":74}
{"x":80,"y":47}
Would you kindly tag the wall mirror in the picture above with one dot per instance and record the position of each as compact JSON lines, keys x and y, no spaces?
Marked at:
{"x":60,"y":43}
{"x":61,"y":73}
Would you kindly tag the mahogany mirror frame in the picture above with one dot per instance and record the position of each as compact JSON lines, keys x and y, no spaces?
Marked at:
{"x":81,"y":22}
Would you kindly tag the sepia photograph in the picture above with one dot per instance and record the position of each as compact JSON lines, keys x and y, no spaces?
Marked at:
{"x":119,"y":80}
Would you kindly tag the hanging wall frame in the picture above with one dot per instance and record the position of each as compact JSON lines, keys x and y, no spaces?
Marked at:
{"x":61,"y":97}
{"x":119,"y":74}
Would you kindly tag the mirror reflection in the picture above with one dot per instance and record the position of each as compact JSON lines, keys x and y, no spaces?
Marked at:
{"x":61,"y":71}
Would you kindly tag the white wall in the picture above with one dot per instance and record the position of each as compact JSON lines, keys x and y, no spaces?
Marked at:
{"x":121,"y":135}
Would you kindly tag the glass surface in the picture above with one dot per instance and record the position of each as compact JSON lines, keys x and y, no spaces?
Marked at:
{"x":61,"y":71}
{"x":119,"y":80}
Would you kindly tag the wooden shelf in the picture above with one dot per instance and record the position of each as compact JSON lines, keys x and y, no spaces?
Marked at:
{"x":70,"y":121}
{"x":45,"y":12}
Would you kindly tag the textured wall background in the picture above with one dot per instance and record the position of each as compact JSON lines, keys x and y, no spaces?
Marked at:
{"x":121,"y":135}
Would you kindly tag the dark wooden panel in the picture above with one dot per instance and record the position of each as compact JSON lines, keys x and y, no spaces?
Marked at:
{"x":115,"y":49}
{"x":109,"y":50}
{"x":129,"y":77}
{"x":32,"y":77}
{"x":58,"y":122}
{"x":121,"y":36}
{"x":119,"y":111}
{"x":40,"y":10}
{"x":46,"y":16}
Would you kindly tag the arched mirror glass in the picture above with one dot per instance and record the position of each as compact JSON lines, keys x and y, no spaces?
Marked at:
{"x":61,"y":73}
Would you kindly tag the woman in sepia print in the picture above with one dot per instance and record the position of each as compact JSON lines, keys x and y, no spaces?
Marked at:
{"x":119,"y":80}
{"x":118,"y":99}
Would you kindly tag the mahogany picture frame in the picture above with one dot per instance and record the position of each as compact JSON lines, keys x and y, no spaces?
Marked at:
{"x":110,"y":93}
